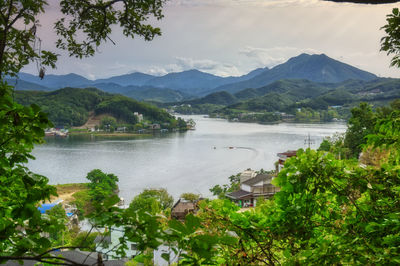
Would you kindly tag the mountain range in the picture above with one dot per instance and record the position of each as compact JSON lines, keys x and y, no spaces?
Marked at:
{"x":179,"y":86}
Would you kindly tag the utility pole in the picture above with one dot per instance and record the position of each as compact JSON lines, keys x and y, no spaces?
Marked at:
{"x":308,"y":141}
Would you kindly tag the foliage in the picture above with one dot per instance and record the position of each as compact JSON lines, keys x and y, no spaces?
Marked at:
{"x":57,"y":215}
{"x":391,"y":42}
{"x":307,"y":101}
{"x":18,"y":47}
{"x":88,"y":23}
{"x":359,"y":126}
{"x":82,"y":203}
{"x":101,"y":187}
{"x":21,"y":190}
{"x":71,"y":106}
{"x":85,"y":240}
{"x":154,"y":200}
{"x":190,"y":197}
{"x":234,"y":185}
{"x":197,"y":109}
{"x":181,"y":124}
{"x":108,"y":122}
{"x":22,"y":227}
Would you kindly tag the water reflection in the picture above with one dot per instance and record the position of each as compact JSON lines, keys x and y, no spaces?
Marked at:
{"x":181,"y":162}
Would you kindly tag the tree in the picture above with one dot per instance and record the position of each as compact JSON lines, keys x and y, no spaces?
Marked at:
{"x":101,"y":186}
{"x":391,"y":42}
{"x":360,"y":125}
{"x":155,"y":200}
{"x":57,"y":215}
{"x":108,"y":123}
{"x":86,"y":25}
{"x":21,"y":190}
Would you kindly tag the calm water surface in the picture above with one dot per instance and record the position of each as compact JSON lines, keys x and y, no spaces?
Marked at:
{"x":179,"y":162}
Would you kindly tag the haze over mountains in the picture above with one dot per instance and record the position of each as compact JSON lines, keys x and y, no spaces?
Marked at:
{"x":175,"y":87}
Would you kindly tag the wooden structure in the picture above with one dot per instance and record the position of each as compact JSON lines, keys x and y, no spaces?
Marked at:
{"x":182,"y":208}
{"x":251,"y":189}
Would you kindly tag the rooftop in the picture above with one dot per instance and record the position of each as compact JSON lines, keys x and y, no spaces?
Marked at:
{"x":238,"y":194}
{"x":287,"y":154}
{"x":257,"y":179}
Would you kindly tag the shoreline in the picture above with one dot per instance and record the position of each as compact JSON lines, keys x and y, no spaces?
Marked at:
{"x":108,"y":134}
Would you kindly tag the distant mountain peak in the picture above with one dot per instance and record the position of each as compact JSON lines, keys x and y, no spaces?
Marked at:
{"x":315,"y":67}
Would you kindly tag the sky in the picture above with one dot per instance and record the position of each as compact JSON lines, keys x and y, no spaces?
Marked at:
{"x":233,"y":37}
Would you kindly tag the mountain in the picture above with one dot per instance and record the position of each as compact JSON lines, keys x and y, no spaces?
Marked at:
{"x":136,"y":79}
{"x":247,"y":76}
{"x":142,"y":93}
{"x":288,"y":95}
{"x":152,"y":94}
{"x":298,"y":88}
{"x":26,"y":85}
{"x":56,"y":81}
{"x":218,"y":98}
{"x":187,"y":81}
{"x":317,"y":68}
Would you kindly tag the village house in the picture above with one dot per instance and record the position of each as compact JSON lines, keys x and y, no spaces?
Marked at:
{"x":155,"y":126}
{"x":282,"y":157}
{"x":139,"y":116}
{"x":183,"y":207}
{"x":106,"y":247}
{"x":252,"y":187}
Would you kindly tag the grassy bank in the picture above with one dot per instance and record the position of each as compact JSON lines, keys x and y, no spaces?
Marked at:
{"x":68,"y":192}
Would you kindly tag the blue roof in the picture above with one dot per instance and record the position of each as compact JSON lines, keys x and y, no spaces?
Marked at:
{"x":46,"y":206}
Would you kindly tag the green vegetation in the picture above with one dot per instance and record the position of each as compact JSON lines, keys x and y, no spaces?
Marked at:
{"x":153,"y":200}
{"x":65,"y":107}
{"x":71,"y":107}
{"x":294,"y":100}
{"x":187,"y":109}
{"x":102,"y":186}
{"x":234,"y":184}
{"x":81,"y":200}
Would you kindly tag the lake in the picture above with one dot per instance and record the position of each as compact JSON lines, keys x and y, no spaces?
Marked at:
{"x":193,"y":161}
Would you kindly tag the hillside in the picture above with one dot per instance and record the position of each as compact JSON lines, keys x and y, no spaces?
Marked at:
{"x":71,"y":106}
{"x":143,"y":93}
{"x":327,"y":100}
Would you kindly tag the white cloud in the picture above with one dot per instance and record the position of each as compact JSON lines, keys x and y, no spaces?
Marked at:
{"x":204,"y":65}
{"x":272,"y":56}
{"x":201,"y":64}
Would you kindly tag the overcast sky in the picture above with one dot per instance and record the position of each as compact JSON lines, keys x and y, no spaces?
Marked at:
{"x":233,"y":37}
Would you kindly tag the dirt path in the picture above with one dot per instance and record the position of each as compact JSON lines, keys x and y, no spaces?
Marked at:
{"x":93,"y":120}
{"x":66,"y":191}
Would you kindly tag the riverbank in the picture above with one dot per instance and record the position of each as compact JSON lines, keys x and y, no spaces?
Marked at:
{"x":109,"y":134}
{"x":66,"y":191}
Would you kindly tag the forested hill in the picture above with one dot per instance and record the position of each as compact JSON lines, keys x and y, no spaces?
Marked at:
{"x":71,"y":106}
{"x":289,"y":96}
